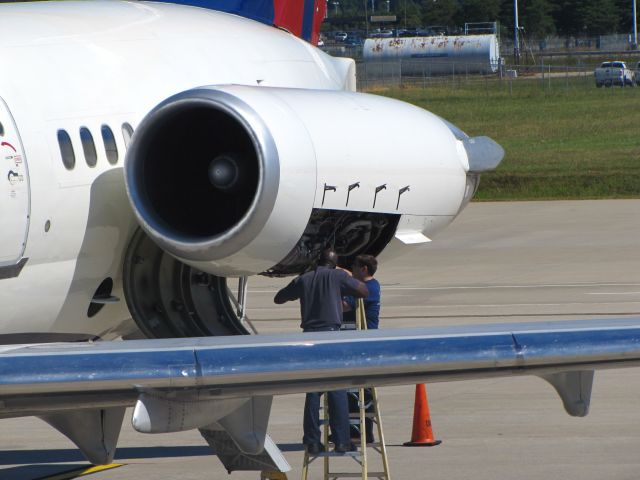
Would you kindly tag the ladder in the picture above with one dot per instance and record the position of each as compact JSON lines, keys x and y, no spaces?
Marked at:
{"x":360,"y":456}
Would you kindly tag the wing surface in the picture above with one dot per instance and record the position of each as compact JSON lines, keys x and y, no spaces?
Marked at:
{"x":39,"y":378}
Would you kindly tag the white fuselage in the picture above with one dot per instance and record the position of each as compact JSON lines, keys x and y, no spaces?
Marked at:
{"x":69,"y":66}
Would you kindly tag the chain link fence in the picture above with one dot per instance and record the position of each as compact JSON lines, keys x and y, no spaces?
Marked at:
{"x":399,"y":74}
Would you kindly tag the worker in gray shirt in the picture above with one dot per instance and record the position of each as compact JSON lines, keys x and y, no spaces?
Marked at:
{"x":320,"y":292}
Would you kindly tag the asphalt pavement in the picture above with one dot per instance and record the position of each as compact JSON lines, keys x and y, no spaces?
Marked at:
{"x":497,"y":263}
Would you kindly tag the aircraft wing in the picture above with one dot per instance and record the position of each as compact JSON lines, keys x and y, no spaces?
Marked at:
{"x":35,"y":379}
{"x":224,"y":385}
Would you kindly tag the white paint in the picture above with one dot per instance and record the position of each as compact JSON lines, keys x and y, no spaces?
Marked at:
{"x":412,"y":237}
{"x":74,"y":64}
{"x":14,"y":191}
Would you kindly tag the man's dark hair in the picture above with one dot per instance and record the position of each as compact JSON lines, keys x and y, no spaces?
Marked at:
{"x":328,"y":258}
{"x":368,"y":261}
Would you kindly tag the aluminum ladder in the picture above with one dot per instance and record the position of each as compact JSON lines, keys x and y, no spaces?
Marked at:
{"x":361,"y":456}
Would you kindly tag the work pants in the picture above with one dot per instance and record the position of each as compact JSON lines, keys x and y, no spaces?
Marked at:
{"x":338,"y":411}
{"x":338,"y":417}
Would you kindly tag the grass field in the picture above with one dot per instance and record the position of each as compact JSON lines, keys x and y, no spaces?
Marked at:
{"x":563,"y":138}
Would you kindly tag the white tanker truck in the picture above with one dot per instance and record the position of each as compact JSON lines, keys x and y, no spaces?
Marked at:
{"x":438,"y":55}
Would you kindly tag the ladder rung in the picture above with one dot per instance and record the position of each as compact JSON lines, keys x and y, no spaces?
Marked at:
{"x":335,"y":454}
{"x":353,"y":474}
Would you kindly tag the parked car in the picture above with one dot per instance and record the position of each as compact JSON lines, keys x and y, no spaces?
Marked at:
{"x":340,"y":36}
{"x":408,"y":32}
{"x":614,"y":73}
{"x":381,"y":34}
{"x":353,"y":42}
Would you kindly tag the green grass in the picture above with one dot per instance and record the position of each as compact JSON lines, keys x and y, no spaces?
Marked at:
{"x":563,"y":140}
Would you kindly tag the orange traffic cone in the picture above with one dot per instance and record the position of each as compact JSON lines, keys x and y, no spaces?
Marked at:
{"x":421,"y":434}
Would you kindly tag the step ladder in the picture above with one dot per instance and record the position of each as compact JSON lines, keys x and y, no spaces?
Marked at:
{"x":361,"y":456}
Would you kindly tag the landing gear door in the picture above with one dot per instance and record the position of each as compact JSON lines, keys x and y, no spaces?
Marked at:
{"x":14,"y":195}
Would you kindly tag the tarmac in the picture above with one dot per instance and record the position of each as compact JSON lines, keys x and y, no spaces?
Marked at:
{"x":497,"y":263}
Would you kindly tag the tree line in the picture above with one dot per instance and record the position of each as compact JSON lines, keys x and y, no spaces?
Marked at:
{"x":539,"y":18}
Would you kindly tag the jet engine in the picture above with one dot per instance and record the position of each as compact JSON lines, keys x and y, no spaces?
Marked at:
{"x":233,"y":181}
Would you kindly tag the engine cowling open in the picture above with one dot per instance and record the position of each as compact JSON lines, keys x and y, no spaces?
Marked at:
{"x":226,"y":178}
{"x":231,"y":181}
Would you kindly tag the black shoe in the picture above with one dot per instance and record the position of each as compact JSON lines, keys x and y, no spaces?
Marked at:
{"x":314,"y":448}
{"x":344,"y":448}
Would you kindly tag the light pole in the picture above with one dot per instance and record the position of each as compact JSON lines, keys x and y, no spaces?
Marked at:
{"x":635,"y":26}
{"x":405,"y":13}
{"x":516,"y":36}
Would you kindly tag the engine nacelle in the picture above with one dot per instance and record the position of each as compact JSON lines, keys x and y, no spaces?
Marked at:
{"x":227,"y":179}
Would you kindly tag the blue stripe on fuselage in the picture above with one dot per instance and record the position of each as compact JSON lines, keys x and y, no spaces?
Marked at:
{"x":260,"y":10}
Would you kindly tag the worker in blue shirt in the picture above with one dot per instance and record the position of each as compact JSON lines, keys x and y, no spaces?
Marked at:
{"x":364,"y":268}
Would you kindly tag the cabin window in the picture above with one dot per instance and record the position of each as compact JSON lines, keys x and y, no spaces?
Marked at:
{"x":88,"y":147}
{"x":127,"y":133}
{"x":66,"y":150}
{"x":110,"y":147}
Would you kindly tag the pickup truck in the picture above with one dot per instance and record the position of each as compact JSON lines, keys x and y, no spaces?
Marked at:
{"x":614,"y":73}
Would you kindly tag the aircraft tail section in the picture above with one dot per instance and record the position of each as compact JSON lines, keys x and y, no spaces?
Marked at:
{"x":302,"y":18}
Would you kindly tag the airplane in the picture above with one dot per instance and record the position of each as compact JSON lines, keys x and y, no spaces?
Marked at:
{"x":152,"y":153}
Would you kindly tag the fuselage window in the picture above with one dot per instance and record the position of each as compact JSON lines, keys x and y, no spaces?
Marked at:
{"x":66,"y":150}
{"x":127,"y":133}
{"x":1,"y":130}
{"x":88,"y":147}
{"x":110,"y":146}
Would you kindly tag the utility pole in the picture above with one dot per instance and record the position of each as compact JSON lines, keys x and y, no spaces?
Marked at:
{"x":516,"y":34}
{"x":405,"y":13}
{"x":635,"y":26}
{"x":366,"y":18}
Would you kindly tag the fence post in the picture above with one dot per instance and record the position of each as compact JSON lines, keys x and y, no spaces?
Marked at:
{"x":453,"y":74}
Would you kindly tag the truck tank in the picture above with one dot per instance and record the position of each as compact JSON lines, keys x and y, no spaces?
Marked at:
{"x":439,"y":55}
